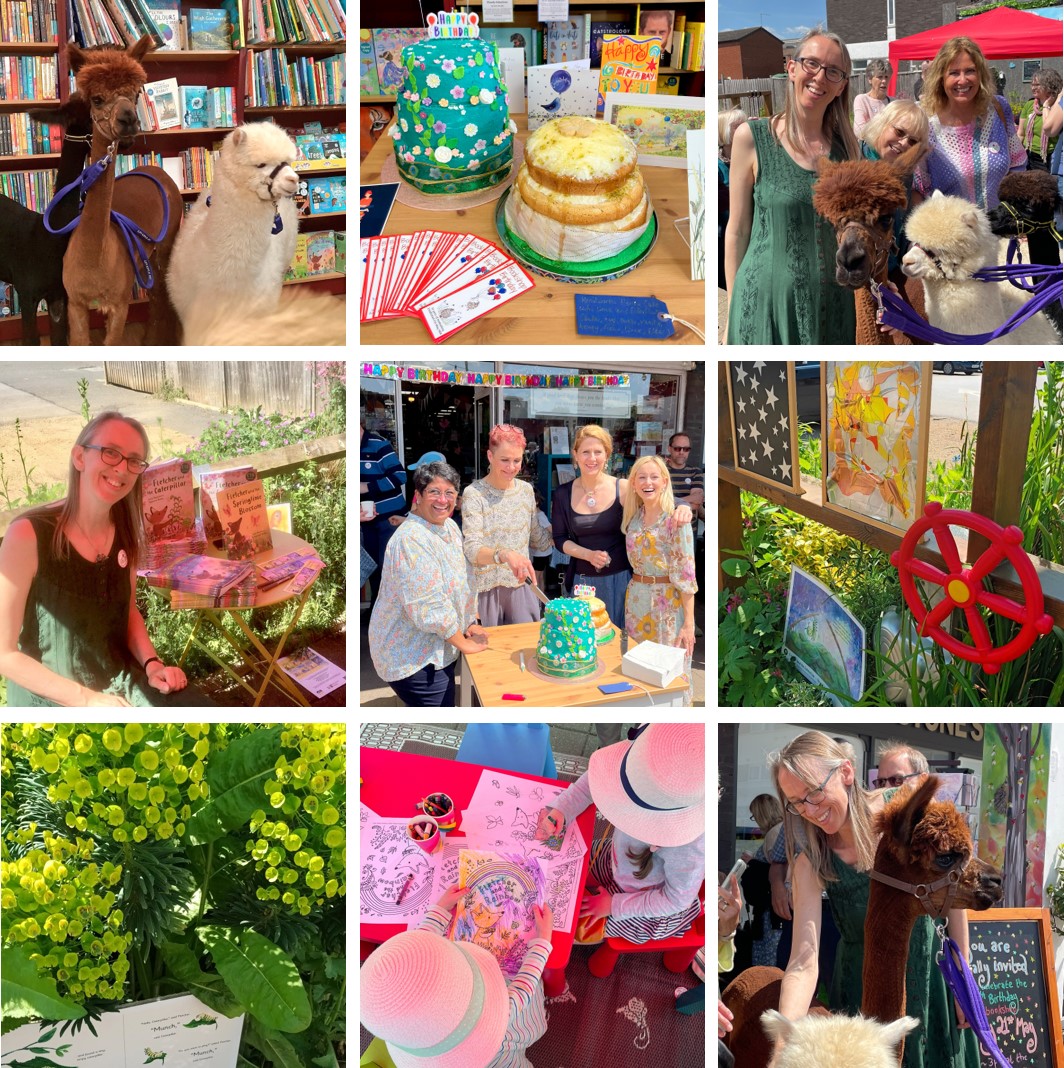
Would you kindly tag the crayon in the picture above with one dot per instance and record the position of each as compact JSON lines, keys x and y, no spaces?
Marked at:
{"x":406,"y":886}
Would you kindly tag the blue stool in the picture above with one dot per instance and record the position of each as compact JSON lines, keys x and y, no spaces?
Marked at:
{"x":522,"y":747}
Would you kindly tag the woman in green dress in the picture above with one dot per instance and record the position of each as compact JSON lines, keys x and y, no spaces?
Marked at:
{"x":779,"y":255}
{"x":70,"y":630}
{"x":819,"y":787}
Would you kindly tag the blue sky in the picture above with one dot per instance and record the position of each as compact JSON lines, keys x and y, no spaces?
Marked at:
{"x":784,"y":18}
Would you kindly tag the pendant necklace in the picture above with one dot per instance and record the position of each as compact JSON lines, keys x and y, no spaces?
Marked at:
{"x":100,"y":557}
{"x":589,"y":497}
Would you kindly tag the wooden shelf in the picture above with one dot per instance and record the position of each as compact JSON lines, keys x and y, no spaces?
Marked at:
{"x":202,"y":56}
{"x":303,"y":109}
{"x":13,"y":107}
{"x":28,"y":48}
{"x":330,"y":277}
{"x":41,"y":160}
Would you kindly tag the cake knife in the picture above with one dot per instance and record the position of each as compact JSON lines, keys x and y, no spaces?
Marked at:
{"x":537,"y":591}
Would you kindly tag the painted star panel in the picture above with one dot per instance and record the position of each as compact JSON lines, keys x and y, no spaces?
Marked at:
{"x":762,"y":418}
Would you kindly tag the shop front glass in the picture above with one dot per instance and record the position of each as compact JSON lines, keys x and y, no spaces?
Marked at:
{"x":640,"y":417}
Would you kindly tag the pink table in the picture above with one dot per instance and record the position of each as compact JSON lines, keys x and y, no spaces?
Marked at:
{"x":392,"y":785}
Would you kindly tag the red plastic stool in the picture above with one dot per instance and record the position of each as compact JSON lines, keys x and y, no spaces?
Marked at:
{"x":677,"y":952}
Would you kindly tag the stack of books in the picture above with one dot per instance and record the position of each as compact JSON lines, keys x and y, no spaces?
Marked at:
{"x":198,"y":581}
{"x":168,"y":505}
{"x":282,"y":569}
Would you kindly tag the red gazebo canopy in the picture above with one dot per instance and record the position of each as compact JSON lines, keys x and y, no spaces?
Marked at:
{"x":1003,"y":33}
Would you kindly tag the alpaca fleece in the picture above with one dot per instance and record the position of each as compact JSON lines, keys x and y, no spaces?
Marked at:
{"x":225,"y":254}
{"x":837,"y":1041}
{"x":956,"y":233}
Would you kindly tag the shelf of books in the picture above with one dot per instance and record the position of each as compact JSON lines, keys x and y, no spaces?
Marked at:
{"x":214,"y":68}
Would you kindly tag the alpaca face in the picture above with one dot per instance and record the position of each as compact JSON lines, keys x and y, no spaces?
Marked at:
{"x":259,"y":161}
{"x":828,"y":1041}
{"x":951,"y":240}
{"x":110,"y":80}
{"x":1026,"y":197}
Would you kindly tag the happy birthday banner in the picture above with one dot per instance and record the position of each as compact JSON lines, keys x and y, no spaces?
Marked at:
{"x":477,"y":378}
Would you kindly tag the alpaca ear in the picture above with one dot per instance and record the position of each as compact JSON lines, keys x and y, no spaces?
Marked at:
{"x":776,"y":1026}
{"x":896,"y":1031}
{"x":903,"y":819}
{"x":937,"y":193}
{"x":75,"y":57}
{"x":238,"y":136}
{"x":145,"y":45}
{"x":971,"y":219}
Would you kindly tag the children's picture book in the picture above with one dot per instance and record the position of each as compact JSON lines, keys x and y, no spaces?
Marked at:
{"x":568,"y":40}
{"x":193,"y":106}
{"x":374,"y":206}
{"x":496,"y":913}
{"x":327,"y":194}
{"x":321,"y":253}
{"x":298,"y":267}
{"x":369,"y":83}
{"x":210,"y":483}
{"x":824,"y":639}
{"x":629,"y":65}
{"x":163,"y":101}
{"x":341,"y":251}
{"x":210,"y":29}
{"x":166,"y":14}
{"x":388,"y":45}
{"x":202,"y":574}
{"x":167,"y":500}
{"x":554,"y":92}
{"x":313,"y":672}
{"x":242,"y":512}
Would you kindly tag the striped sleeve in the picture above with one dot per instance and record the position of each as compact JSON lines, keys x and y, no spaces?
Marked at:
{"x":684,"y":869}
{"x":436,"y":921}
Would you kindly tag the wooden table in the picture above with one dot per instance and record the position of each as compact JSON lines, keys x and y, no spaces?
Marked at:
{"x":546,"y":314}
{"x":497,"y":670}
{"x":393,"y":783}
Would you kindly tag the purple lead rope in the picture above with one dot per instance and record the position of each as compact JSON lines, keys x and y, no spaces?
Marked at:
{"x":960,"y":980}
{"x":133,"y":235}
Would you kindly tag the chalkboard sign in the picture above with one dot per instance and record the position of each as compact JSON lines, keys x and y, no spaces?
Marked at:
{"x":1012,"y":961}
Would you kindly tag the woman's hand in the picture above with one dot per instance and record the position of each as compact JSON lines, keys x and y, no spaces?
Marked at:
{"x":729,"y":905}
{"x":106,"y":700}
{"x":686,"y":639}
{"x":166,"y":679}
{"x":544,"y":918}
{"x":520,"y":565}
{"x":551,"y":822}
{"x":451,"y":896}
{"x":595,"y":906}
{"x":682,"y":516}
{"x":598,"y":559}
{"x":898,"y":336}
{"x":473,"y":641}
{"x":962,"y":1020}
{"x":476,"y":633}
{"x":724,"y":1019}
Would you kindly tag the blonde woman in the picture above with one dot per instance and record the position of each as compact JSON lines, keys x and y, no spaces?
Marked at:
{"x":659,"y":605}
{"x":973,"y":142}
{"x":779,"y":254}
{"x":586,"y":520}
{"x":819,"y":788}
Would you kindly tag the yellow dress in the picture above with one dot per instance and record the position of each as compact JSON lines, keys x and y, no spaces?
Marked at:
{"x":654,"y":611}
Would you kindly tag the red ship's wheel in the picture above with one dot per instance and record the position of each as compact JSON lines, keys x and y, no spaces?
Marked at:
{"x":963,"y":587}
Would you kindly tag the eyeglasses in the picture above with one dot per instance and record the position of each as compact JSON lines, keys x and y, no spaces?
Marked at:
{"x":894,"y":780}
{"x":813,"y":798}
{"x":680,"y":448}
{"x":903,"y":136}
{"x":112,"y":457}
{"x":439,"y":495}
{"x":813,"y":66}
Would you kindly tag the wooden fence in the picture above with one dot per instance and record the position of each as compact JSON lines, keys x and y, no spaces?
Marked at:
{"x":748,"y":93}
{"x":288,"y":386}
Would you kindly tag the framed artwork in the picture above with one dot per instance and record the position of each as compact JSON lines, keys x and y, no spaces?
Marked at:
{"x":825,"y":641}
{"x":658,"y":124}
{"x":876,"y":419}
{"x":762,"y":403}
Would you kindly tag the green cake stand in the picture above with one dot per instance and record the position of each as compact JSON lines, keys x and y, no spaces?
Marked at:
{"x":590,"y":273}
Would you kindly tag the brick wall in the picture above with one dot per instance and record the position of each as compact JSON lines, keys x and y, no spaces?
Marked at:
{"x":857,"y":20}
{"x":730,"y":60}
{"x":758,"y":55}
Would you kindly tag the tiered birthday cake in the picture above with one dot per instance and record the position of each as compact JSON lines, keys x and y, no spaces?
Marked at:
{"x":599,"y":616}
{"x":453,"y":132}
{"x":567,"y":647}
{"x":579,"y":195}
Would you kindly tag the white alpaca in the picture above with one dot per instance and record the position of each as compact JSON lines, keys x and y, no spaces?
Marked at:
{"x":836,"y":1041}
{"x":226,"y":254}
{"x":951,"y":240}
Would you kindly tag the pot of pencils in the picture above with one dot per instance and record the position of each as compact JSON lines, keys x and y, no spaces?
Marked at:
{"x":426,"y":832}
{"x":441,"y":808}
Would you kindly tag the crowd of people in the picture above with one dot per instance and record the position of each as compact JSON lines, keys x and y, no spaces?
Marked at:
{"x":776,"y":255}
{"x":439,"y":585}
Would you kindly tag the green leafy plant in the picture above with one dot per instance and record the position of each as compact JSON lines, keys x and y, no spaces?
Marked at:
{"x":154,"y":858}
{"x":1055,"y":894}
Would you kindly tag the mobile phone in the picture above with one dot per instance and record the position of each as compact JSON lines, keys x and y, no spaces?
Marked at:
{"x":737,"y":870}
{"x":615,"y":687}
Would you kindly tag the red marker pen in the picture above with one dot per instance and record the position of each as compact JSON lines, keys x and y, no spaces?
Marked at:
{"x":513,"y":697}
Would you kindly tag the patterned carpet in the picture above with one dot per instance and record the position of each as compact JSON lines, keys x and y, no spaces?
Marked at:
{"x":627,"y":1020}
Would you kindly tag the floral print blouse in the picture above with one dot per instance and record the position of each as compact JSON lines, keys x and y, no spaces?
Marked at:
{"x":654,"y":611}
{"x":425,"y":596}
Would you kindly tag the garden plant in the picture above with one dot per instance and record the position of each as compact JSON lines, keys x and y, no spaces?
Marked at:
{"x":140,"y":860}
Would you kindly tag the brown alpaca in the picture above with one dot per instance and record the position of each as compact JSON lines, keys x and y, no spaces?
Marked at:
{"x":859,"y":199}
{"x":920,"y":841}
{"x":97,"y":270}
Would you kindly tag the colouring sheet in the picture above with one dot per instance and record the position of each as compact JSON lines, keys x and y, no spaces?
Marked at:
{"x":444,"y":874}
{"x":502,"y":816}
{"x":389,"y":858}
{"x":497,"y":913}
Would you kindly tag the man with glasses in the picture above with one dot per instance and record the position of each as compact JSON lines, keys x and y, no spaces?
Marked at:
{"x":899,"y":764}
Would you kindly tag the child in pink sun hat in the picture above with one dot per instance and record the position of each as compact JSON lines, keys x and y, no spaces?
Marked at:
{"x":443,"y":1004}
{"x":653,"y":790}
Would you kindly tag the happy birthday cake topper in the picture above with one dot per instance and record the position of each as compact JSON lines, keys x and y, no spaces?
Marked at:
{"x":453,"y":24}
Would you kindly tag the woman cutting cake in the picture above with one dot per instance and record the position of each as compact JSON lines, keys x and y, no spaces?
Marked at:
{"x":660,"y":601}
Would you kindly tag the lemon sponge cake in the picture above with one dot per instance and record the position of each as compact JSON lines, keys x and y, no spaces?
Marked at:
{"x":579,"y":195}
{"x":453,"y":132}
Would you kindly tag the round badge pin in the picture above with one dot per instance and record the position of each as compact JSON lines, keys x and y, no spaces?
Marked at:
{"x":123,"y":560}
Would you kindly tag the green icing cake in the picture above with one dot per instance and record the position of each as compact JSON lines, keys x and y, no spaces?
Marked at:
{"x":452,"y":132}
{"x":567,"y":648}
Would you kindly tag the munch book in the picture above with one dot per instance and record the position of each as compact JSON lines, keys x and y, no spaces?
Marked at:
{"x":245,"y":525}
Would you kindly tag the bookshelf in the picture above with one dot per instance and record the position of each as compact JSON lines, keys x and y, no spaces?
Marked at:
{"x":212,"y":68}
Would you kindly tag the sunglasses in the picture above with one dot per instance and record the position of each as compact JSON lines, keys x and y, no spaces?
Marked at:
{"x":680,"y":448}
{"x":903,"y":136}
{"x":894,"y":780}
